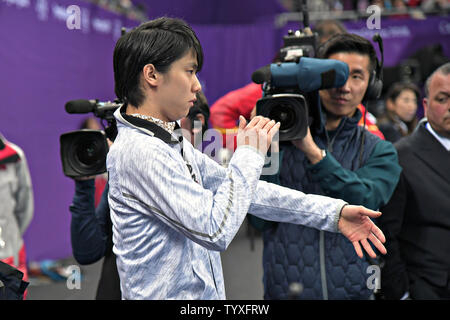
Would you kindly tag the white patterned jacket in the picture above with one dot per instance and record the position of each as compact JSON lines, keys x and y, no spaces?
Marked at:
{"x":168,"y":229}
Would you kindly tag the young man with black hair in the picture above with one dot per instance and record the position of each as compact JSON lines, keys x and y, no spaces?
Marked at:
{"x":173,"y":208}
{"x":91,"y":226}
{"x":334,"y":160}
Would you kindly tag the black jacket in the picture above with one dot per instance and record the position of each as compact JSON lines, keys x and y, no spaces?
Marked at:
{"x":12,"y":287}
{"x":91,"y":235}
{"x":416,"y":220}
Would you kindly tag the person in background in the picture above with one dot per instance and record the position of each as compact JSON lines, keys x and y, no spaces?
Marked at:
{"x":400,"y":117}
{"x":91,"y":235}
{"x":438,"y":5}
{"x":101,"y":179}
{"x":17,"y":205}
{"x":327,"y":28}
{"x":242,"y":101}
{"x":340,"y":159}
{"x":416,"y":219}
{"x":196,"y":122}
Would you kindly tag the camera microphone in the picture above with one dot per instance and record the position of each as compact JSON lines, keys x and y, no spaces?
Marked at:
{"x":262,"y":75}
{"x":86,"y":106}
{"x":80,"y":106}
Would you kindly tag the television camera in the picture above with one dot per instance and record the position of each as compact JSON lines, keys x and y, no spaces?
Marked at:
{"x":290,"y":86}
{"x":83,"y":152}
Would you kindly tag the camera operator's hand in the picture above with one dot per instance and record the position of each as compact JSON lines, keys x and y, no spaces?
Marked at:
{"x":258,"y":133}
{"x":309,"y":148}
{"x":355,"y":224}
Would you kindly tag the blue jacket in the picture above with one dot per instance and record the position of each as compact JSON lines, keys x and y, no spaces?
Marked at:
{"x":90,"y":227}
{"x":91,"y":235}
{"x":325,"y":263}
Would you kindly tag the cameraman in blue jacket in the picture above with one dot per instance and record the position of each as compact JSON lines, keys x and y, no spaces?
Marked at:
{"x":339,"y":159}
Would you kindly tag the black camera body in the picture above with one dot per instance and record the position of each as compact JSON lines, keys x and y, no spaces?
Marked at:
{"x":290,"y":109}
{"x":285,"y":102}
{"x":291,"y":85}
{"x":83,"y":152}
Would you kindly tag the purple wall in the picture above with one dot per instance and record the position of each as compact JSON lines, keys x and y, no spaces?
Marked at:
{"x":43,"y":65}
{"x":213,"y":11}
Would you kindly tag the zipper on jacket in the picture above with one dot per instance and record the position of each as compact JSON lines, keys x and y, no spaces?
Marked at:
{"x":323,"y":273}
{"x":330,"y":143}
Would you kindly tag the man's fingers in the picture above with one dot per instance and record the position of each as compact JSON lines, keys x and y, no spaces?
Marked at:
{"x":368,"y":248}
{"x":269,"y":125}
{"x":254,"y":122}
{"x":378,"y":233}
{"x":242,"y":123}
{"x":262,"y":123}
{"x":259,"y":132}
{"x":370,"y":213}
{"x":274,"y":129}
{"x":357,"y":248}
{"x":377,"y":243}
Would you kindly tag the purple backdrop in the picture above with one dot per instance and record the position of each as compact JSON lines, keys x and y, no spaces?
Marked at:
{"x":213,"y":12}
{"x":44,"y":64}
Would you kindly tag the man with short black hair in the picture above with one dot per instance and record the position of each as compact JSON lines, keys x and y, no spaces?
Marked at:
{"x":173,"y":208}
{"x":339,"y":159}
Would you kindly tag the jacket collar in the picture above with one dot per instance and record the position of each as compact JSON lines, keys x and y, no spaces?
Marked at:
{"x":145,"y":126}
{"x":346,"y":124}
{"x":425,"y":139}
{"x":430,"y":150}
{"x":7,"y":153}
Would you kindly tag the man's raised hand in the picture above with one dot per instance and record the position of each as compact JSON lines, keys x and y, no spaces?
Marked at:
{"x":258,"y":133}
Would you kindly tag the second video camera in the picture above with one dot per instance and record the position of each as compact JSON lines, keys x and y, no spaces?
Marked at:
{"x":83,"y":152}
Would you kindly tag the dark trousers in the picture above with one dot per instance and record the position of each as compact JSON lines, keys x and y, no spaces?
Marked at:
{"x":109,"y":283}
{"x":422,"y":289}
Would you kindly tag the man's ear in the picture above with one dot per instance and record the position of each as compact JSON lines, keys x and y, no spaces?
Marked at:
{"x":425,"y":106}
{"x":150,"y":75}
